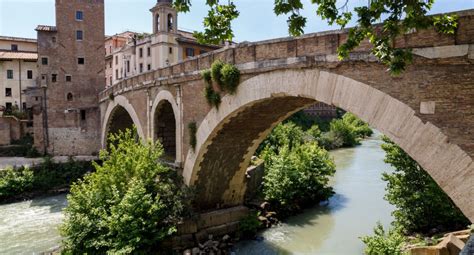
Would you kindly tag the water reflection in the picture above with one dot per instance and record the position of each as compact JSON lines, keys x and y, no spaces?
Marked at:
{"x":352,"y":212}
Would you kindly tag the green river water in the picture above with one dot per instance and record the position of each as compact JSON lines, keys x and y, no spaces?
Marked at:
{"x":30,"y":227}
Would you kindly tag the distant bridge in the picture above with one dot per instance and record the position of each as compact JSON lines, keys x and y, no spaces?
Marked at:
{"x":428,"y":110}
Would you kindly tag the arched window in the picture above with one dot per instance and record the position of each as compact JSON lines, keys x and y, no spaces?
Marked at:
{"x":170,"y":22}
{"x":69,"y":97}
{"x":157,"y":22}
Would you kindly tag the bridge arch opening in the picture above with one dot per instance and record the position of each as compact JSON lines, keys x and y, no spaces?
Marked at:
{"x":229,"y":136}
{"x":165,"y":128}
{"x":119,"y":121}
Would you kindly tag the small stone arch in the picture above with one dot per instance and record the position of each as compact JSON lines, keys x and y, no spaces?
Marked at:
{"x":111,"y":107}
{"x":161,"y":97}
{"x":447,"y":163}
{"x":170,"y":23}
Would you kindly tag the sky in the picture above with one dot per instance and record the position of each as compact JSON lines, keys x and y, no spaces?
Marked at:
{"x":256,"y":22}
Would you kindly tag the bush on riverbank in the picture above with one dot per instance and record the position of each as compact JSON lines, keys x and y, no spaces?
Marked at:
{"x":130,"y":204}
{"x":421,"y":205}
{"x":27,"y":182}
{"x":383,"y":242}
{"x":345,"y":132}
{"x":298,"y":177}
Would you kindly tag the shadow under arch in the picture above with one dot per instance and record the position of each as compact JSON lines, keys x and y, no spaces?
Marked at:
{"x":228,"y":137}
{"x":119,"y":115}
{"x":164,"y":111}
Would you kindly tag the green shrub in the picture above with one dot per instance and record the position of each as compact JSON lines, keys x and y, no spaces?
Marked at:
{"x":421,"y":205}
{"x":361,"y":128}
{"x":249,"y":225}
{"x":230,"y":78}
{"x":283,"y":134}
{"x":297,"y":177}
{"x":206,"y":75}
{"x":344,"y":131}
{"x":382,"y":243}
{"x":111,"y":97}
{"x":15,"y":181}
{"x":192,"y":134}
{"x":213,"y":98}
{"x":128,"y":206}
{"x":330,"y":141}
{"x":216,"y":75}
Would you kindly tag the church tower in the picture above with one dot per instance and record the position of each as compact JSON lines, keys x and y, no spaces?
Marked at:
{"x":164,"y":17}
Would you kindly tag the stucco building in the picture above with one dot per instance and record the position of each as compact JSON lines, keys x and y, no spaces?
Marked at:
{"x":18,"y":71}
{"x":143,"y":52}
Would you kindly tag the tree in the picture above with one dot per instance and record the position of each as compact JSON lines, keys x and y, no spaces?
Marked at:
{"x":130,"y":204}
{"x":421,"y":205}
{"x":297,"y":177}
{"x":380,"y":22}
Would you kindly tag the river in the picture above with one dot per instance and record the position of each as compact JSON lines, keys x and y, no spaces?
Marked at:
{"x":334,"y":228}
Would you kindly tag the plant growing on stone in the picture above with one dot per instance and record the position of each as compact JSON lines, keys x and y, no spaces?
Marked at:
{"x":111,"y":97}
{"x":192,"y":134}
{"x":230,"y":78}
{"x":128,"y":206}
{"x":216,"y":75}
{"x":249,"y":225}
{"x":206,"y":76}
{"x":212,"y":97}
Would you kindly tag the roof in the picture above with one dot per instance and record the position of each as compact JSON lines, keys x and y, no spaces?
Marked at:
{"x":18,"y":55}
{"x":194,"y":41}
{"x":17,"y":39}
{"x":46,"y":28}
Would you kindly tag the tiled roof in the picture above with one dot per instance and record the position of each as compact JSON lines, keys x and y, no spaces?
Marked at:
{"x":17,"y":39}
{"x":18,"y":55}
{"x":46,"y":28}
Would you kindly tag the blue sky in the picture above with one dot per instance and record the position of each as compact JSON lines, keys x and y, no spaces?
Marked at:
{"x":256,"y":22}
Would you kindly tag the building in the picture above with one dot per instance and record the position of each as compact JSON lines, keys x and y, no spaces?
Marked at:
{"x":70,"y":75}
{"x":18,"y":71}
{"x":322,"y":110}
{"x":114,"y":44}
{"x":145,"y":52}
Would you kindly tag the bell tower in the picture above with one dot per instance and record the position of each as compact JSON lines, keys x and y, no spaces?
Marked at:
{"x":165,"y":17}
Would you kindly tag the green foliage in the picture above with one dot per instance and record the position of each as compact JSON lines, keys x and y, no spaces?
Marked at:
{"x":15,"y":181}
{"x":306,"y":121}
{"x":218,"y":22}
{"x":383,"y":243}
{"x":288,"y":134}
{"x":249,"y":225}
{"x":297,"y":177}
{"x":361,"y":128}
{"x":216,"y":75}
{"x":230,"y":78}
{"x":111,"y":97}
{"x":380,"y":22}
{"x":344,"y":131}
{"x":192,"y":134}
{"x":421,"y":204}
{"x":212,"y":97}
{"x":330,"y":140}
{"x":130,"y":204}
{"x":207,"y":77}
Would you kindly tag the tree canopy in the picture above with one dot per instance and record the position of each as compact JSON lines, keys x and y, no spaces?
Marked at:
{"x":379,"y":21}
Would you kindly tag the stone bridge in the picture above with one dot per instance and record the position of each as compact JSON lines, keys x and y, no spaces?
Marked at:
{"x":428,"y":110}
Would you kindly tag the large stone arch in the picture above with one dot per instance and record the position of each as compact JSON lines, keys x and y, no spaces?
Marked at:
{"x":166,"y":96}
{"x":219,"y":179}
{"x":111,"y":107}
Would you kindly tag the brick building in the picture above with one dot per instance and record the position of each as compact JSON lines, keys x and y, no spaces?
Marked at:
{"x":70,"y":75}
{"x":18,"y":58}
{"x":143,"y":52}
{"x":321,"y":110}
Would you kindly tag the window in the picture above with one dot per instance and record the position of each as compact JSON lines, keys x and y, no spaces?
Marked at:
{"x":79,"y":15}
{"x":141,"y":68}
{"x":8,"y":107}
{"x":79,"y":35}
{"x":9,"y":74}
{"x":171,"y":50}
{"x":157,"y":22}
{"x":170,"y":22}
{"x":53,"y":39}
{"x":116,"y":60}
{"x":83,"y":114}
{"x":54,"y":77}
{"x":36,"y":98}
{"x":148,"y":51}
{"x":80,"y":61}
{"x":8,"y":92}
{"x":29,"y":74}
{"x":110,"y":80}
{"x":128,"y":65}
{"x":110,"y":64}
{"x":140,"y":52}
{"x":68,"y":78}
{"x":116,"y":74}
{"x":190,"y":52}
{"x":24,"y":106}
{"x":14,"y":47}
{"x":149,"y":67}
{"x":69,"y":97}
{"x":44,"y":61}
